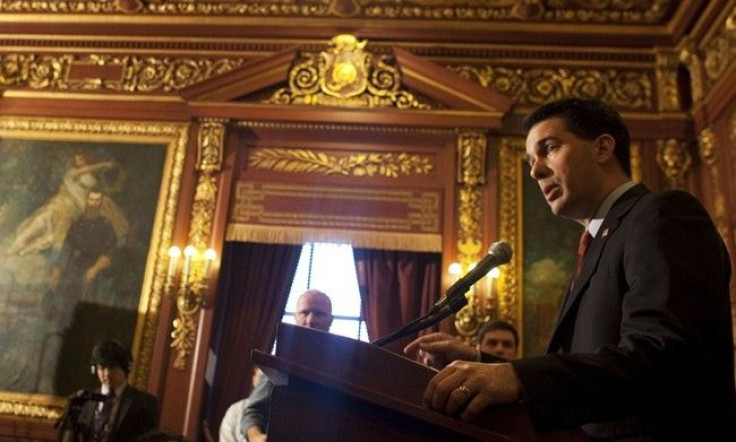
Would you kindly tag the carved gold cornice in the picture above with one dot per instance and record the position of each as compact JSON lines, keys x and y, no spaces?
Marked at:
{"x":367,"y":164}
{"x":210,"y":147}
{"x":308,"y":84}
{"x":674,"y":160}
{"x":346,"y":75}
{"x":136,"y":73}
{"x":626,"y":88}
{"x":647,"y":12}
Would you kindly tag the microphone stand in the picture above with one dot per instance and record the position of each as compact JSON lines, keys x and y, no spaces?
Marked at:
{"x":433,"y":317}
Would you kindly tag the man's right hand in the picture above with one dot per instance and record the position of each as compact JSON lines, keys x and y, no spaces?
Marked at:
{"x":439,"y":349}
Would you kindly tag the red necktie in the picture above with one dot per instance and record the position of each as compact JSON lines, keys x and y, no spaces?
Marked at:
{"x":585,"y":240}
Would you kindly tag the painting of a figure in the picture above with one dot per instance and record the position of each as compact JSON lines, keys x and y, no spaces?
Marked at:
{"x":76,"y":221}
{"x":550,"y":243}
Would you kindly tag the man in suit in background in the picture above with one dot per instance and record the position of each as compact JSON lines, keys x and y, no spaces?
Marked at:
{"x":313,"y":310}
{"x":122,"y":413}
{"x":498,"y":338}
{"x":643,"y":346}
{"x":498,"y":341}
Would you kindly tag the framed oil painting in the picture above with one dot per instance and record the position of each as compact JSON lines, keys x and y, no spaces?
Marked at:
{"x":535,"y":282}
{"x":86,"y":217}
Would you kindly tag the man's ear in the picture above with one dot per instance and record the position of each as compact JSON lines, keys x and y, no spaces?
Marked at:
{"x":606,"y":145}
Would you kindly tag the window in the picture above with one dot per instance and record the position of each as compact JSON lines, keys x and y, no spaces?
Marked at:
{"x":330,"y":268}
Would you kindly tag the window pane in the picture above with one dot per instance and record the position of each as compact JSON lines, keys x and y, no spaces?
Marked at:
{"x":333,"y":272}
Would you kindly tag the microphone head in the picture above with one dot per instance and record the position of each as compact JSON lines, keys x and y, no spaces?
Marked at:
{"x":502,"y":250}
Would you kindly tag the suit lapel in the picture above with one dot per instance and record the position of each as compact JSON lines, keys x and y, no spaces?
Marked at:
{"x":126,"y":400}
{"x":612,"y":221}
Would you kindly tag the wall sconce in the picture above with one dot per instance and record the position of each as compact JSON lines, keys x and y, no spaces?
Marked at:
{"x":481,"y":308}
{"x":194,"y":277}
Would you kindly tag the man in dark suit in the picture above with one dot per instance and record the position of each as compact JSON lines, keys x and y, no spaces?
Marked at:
{"x":643,"y":346}
{"x":116,"y":412}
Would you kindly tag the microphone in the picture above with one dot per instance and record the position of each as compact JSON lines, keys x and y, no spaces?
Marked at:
{"x":498,"y":253}
{"x":454,"y":299}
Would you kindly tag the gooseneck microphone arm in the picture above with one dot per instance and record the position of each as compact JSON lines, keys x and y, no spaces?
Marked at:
{"x":499,"y":253}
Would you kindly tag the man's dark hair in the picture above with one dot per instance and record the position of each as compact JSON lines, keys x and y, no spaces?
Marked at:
{"x":587,"y":119}
{"x":498,"y":324}
{"x":112,"y":353}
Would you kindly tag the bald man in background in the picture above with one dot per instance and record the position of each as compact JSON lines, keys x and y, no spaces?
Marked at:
{"x":313,"y":310}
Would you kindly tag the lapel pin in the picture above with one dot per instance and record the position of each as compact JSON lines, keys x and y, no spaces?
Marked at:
{"x":605,"y":233}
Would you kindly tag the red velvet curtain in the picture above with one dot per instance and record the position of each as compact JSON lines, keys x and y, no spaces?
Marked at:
{"x":255,"y":283}
{"x":395,"y":288}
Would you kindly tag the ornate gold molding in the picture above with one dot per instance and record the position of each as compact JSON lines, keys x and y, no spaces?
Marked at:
{"x":137,"y":74}
{"x":708,"y":151}
{"x":511,"y":153}
{"x":367,"y":164}
{"x":674,"y":160}
{"x":647,"y":12}
{"x":210,"y":147}
{"x":471,"y":175}
{"x":691,"y":56}
{"x":721,"y":50}
{"x":346,"y":75}
{"x":636,"y":161}
{"x":626,"y":88}
{"x":668,"y":95}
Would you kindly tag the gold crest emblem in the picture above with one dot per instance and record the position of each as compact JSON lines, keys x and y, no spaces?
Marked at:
{"x":343,"y":69}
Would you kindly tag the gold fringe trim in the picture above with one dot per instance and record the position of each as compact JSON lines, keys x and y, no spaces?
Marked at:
{"x":414,"y":242}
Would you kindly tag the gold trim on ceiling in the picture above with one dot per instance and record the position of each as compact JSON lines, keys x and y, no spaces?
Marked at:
{"x":645,"y":12}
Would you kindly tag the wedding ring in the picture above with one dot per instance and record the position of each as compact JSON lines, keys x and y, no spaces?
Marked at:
{"x":465,"y":390}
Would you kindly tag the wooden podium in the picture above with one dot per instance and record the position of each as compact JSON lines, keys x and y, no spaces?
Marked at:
{"x":332,"y":388}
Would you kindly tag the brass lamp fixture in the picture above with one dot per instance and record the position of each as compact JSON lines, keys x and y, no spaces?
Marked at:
{"x":482,"y":305}
{"x":193,"y":279}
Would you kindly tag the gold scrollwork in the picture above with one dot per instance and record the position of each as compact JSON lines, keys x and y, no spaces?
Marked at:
{"x":721,"y":49}
{"x":674,"y":161}
{"x":345,"y":75}
{"x":390,"y":165}
{"x":591,"y":11}
{"x":138,"y":74}
{"x":192,"y":292}
{"x":708,"y":152}
{"x":471,"y":167}
{"x":627,"y":88}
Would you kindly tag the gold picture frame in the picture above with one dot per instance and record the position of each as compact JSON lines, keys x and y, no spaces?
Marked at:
{"x":147,"y":197}
{"x":534,"y":283}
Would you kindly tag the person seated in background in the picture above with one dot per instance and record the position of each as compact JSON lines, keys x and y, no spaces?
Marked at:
{"x":498,"y":338}
{"x":313,"y":310}
{"x":230,"y":427}
{"x":115,"y":412}
{"x":498,"y":341}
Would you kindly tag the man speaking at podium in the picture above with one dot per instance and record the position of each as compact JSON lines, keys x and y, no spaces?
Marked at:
{"x":313,"y":310}
{"x":643,"y":346}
